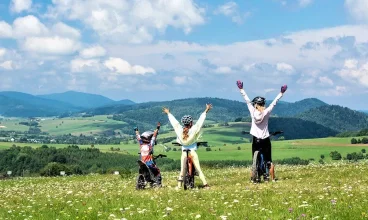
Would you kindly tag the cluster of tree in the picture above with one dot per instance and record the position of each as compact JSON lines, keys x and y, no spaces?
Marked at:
{"x":71,"y":159}
{"x":359,"y":141}
{"x":335,"y":155}
{"x":26,"y":123}
{"x":355,"y":156}
{"x":363,"y":132}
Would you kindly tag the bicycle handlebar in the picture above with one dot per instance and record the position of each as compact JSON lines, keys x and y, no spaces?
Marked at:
{"x":271,"y":133}
{"x":203,"y":143}
{"x":157,"y":156}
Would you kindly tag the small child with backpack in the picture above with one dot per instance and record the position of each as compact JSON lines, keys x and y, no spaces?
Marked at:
{"x":146,"y":142}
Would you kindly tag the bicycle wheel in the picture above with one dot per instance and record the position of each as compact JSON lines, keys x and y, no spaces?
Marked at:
{"x":140,"y":182}
{"x":186,"y":174}
{"x":255,"y":167}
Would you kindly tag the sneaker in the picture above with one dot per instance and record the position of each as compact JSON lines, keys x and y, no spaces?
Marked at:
{"x":206,"y":186}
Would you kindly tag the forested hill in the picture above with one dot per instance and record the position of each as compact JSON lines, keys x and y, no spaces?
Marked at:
{"x":224,"y":109}
{"x":19,"y":104}
{"x":295,"y":108}
{"x":146,"y":115}
{"x":337,"y":118}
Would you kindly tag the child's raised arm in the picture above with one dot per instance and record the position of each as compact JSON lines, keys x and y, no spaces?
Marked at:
{"x":138,"y":136}
{"x":155,"y":133}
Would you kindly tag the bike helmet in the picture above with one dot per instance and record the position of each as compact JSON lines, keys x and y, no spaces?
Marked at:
{"x":259,"y":101}
{"x":186,"y":119}
{"x":147,"y":136}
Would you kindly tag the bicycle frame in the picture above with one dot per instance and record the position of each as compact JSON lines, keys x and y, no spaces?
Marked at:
{"x":190,"y":170}
{"x":260,"y":166}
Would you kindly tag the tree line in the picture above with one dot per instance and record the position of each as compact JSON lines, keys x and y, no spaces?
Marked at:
{"x":49,"y":161}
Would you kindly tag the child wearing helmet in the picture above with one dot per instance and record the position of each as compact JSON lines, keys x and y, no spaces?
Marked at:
{"x":187,"y":136}
{"x":146,"y":143}
{"x":259,"y":129}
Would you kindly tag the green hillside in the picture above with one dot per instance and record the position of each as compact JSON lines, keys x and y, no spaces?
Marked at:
{"x":337,"y":118}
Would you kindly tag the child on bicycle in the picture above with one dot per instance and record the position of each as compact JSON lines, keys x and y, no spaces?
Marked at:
{"x":259,"y":129}
{"x":146,"y":143}
{"x":187,"y":136}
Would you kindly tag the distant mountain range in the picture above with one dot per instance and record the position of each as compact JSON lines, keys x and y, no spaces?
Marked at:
{"x":85,"y":100}
{"x":18,"y":104}
{"x":308,"y":116}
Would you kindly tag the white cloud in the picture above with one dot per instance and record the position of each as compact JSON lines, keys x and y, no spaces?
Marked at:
{"x":64,"y":30}
{"x":81,"y":65}
{"x":28,"y":26}
{"x":2,"y":52}
{"x":284,"y":67}
{"x":353,"y":72}
{"x":180,"y":80}
{"x":120,"y":66}
{"x":231,"y":10}
{"x":223,"y":69}
{"x":325,"y":80}
{"x":304,"y":3}
{"x":6,"y":30}
{"x":93,"y":51}
{"x":130,"y":21}
{"x":358,"y":9}
{"x":8,"y":65}
{"x":20,"y":5}
{"x":50,"y":45}
{"x":351,"y":64}
{"x":337,"y":91}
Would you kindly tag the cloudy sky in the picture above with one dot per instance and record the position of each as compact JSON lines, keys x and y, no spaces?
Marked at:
{"x":149,"y":50}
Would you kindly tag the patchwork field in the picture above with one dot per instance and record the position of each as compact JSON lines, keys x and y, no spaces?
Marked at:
{"x":74,"y":126}
{"x":333,"y":191}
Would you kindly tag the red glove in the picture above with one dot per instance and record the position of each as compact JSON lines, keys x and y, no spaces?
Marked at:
{"x":239,"y":84}
{"x":283,"y":88}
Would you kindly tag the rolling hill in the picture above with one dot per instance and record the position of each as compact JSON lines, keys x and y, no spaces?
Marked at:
{"x":84,"y":100}
{"x":147,"y":114}
{"x":336,"y":117}
{"x":224,"y":109}
{"x":19,"y":104}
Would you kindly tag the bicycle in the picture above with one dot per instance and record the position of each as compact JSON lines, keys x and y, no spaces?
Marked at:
{"x":260,"y":167}
{"x":146,"y":175}
{"x":189,"y":169}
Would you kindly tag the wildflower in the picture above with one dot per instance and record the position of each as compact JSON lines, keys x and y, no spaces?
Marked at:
{"x":290,"y":210}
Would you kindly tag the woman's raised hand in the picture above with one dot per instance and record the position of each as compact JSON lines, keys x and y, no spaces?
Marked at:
{"x":165,"y":110}
{"x":239,"y":84}
{"x":283,"y":88}
{"x":208,"y":107}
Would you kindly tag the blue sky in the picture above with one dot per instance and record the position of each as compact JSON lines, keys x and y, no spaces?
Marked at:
{"x":149,"y":50}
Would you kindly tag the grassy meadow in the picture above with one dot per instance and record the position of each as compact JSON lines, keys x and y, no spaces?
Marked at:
{"x":330,"y":191}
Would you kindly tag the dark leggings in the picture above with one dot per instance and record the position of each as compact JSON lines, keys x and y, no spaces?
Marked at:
{"x":265,"y":144}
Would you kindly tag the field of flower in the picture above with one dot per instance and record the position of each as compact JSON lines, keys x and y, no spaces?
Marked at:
{"x":330,"y":191}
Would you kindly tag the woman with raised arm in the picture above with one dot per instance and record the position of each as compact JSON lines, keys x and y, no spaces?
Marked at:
{"x":187,"y":136}
{"x":259,"y":129}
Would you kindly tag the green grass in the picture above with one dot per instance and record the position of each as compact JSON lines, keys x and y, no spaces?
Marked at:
{"x":75,"y":126}
{"x":333,"y":191}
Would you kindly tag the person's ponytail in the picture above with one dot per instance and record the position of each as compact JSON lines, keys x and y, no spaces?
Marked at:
{"x":185,"y":133}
